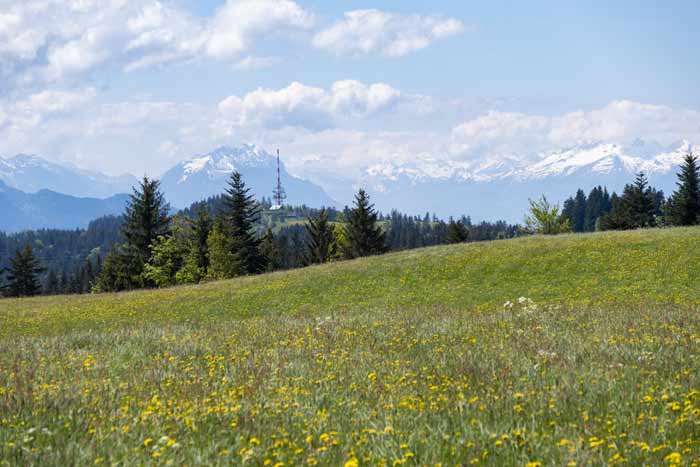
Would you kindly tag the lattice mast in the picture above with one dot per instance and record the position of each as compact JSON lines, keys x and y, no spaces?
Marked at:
{"x":278,"y":194}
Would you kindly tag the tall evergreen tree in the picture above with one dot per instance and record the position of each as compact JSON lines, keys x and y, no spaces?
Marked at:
{"x":269,"y":251}
{"x":456,"y":232}
{"x":684,"y":205}
{"x":52,"y":285}
{"x":578,"y":219}
{"x":363,"y":236}
{"x":597,"y":205}
{"x":638,"y":207}
{"x":146,"y":217}
{"x":200,"y":227}
{"x":321,"y":243}
{"x":240,"y":214}
{"x":640,"y":199}
{"x":23,"y":275}
{"x":122,"y":270}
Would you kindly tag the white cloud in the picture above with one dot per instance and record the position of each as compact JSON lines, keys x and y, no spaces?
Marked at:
{"x":367,"y":31}
{"x":51,"y":40}
{"x":505,"y":133}
{"x":238,"y":22}
{"x":250,"y":63}
{"x":309,"y":107}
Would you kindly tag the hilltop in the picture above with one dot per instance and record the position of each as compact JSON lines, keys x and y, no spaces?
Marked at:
{"x":405,"y":359}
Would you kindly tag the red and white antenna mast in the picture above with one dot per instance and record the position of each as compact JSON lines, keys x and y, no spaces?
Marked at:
{"x":278,"y":194}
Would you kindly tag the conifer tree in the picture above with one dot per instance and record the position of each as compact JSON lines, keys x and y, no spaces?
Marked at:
{"x":200,"y":227}
{"x":364,"y":237}
{"x":321,"y":243}
{"x":146,"y":217}
{"x":51,"y":287}
{"x":240,"y":213}
{"x":456,"y":232}
{"x":23,"y":274}
{"x":684,"y":205}
{"x":578,"y":219}
{"x":638,"y":207}
{"x":269,"y":251}
{"x":639,"y":198}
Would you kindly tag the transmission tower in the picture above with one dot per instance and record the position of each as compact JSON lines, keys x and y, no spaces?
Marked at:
{"x":278,"y":194}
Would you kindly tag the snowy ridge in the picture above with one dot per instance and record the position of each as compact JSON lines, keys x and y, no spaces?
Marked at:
{"x":587,"y":159}
{"x":224,"y":160}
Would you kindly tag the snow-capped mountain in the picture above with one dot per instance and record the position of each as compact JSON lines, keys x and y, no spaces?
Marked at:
{"x":490,"y":187}
{"x":207,"y":175}
{"x":30,"y":173}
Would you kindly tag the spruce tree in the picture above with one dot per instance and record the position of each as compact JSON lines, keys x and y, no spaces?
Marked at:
{"x":685,"y":201}
{"x":23,"y":274}
{"x":200,"y":227}
{"x":240,"y":213}
{"x":640,"y":200}
{"x":578,"y":218}
{"x":52,"y":285}
{"x":122,"y":270}
{"x":146,"y":217}
{"x":638,"y":207}
{"x":456,"y":232}
{"x":269,"y":251}
{"x":364,"y":237}
{"x":321,"y":243}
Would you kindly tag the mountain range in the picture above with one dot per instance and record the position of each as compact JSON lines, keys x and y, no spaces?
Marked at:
{"x":31,"y":173}
{"x":38,"y":193}
{"x":49,"y":209}
{"x":499,"y":187}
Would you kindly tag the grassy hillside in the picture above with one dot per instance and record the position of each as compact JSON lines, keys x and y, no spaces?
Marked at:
{"x":404,"y":359}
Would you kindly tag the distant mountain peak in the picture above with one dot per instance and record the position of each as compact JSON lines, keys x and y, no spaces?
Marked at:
{"x":206,"y":175}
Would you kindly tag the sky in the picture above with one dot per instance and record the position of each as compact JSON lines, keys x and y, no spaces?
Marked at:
{"x":341,"y":87}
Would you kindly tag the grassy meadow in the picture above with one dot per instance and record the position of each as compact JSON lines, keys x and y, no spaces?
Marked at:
{"x":405,"y":359}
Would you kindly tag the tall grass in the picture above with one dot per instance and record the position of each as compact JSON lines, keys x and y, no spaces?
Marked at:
{"x":406,"y":359}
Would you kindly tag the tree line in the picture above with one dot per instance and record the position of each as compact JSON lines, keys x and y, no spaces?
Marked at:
{"x":639,"y":206}
{"x":233,"y":234}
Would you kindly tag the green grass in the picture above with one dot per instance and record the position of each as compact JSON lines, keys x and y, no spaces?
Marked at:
{"x":404,"y":359}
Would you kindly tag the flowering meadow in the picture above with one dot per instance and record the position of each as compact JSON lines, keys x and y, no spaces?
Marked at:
{"x":567,"y":351}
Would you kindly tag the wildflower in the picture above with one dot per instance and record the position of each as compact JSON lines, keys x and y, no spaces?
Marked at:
{"x":674,"y":458}
{"x":533,"y":464}
{"x":147,"y":442}
{"x":352,"y":462}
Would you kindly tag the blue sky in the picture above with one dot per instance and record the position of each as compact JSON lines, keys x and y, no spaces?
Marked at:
{"x":138,"y":87}
{"x":545,"y":55}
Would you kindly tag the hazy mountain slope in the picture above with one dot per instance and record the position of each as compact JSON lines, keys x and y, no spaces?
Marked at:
{"x":30,"y":174}
{"x":48,"y":209}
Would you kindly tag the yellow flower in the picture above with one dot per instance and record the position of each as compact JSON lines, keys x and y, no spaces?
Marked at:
{"x":254,"y":441}
{"x":147,"y":442}
{"x":352,"y":462}
{"x":533,"y":464}
{"x":674,"y":458}
{"x":324,"y":437}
